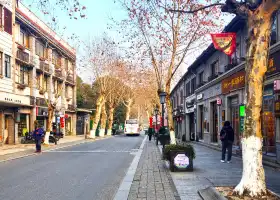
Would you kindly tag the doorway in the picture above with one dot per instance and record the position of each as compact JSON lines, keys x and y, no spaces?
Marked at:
{"x":201,"y":122}
{"x":234,"y":119}
{"x":9,"y":129}
{"x":215,"y":130}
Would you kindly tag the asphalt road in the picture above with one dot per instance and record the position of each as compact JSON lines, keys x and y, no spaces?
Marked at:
{"x":90,"y":171}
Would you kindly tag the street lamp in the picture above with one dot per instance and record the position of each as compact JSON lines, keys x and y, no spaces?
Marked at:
{"x":162,"y":97}
{"x":156,"y":113}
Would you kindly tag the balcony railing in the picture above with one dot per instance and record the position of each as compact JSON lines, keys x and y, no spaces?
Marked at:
{"x":71,"y":107}
{"x":23,"y":56}
{"x":70,"y":78}
{"x":41,"y":102}
{"x":58,"y":73}
{"x":44,"y":66}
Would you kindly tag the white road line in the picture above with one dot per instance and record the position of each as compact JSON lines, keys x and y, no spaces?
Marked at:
{"x":97,"y":151}
{"x":123,"y":191}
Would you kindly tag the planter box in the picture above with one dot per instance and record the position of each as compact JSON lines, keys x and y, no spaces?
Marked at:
{"x":180,"y":161}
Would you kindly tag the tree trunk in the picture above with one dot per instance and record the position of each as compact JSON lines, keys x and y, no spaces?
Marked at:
{"x":96,"y":117}
{"x":128,"y":109}
{"x":253,"y":177}
{"x":170,"y":115}
{"x":111,"y":118}
{"x":103,"y":121}
{"x":49,"y":123}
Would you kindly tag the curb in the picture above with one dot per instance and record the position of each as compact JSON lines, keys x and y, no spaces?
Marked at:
{"x":29,"y":152}
{"x":124,"y":188}
{"x":265,"y":162}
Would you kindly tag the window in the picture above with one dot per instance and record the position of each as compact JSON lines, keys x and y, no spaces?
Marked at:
{"x":40,"y":50}
{"x":66,"y":65}
{"x":38,"y":79}
{"x":193,"y":86}
{"x":214,"y":68}
{"x":1,"y":63}
{"x":7,"y":21}
{"x":24,"y":75}
{"x":23,"y":39}
{"x":273,"y":36}
{"x":200,"y":78}
{"x":182,"y":98}
{"x":7,"y":66}
{"x":45,"y":86}
{"x":55,"y":59}
{"x":1,"y":16}
{"x":188,"y":89}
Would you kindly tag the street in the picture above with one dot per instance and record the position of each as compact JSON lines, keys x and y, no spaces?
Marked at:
{"x":87,"y":171}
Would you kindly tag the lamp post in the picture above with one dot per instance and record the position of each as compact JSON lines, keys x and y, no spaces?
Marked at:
{"x":156,"y":113}
{"x":162,"y":97}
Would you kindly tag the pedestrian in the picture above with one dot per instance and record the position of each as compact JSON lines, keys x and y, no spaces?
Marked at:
{"x":38,"y":135}
{"x":227,"y":138}
{"x":150,"y":133}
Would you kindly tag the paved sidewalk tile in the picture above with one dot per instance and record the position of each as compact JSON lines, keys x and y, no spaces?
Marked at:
{"x":209,"y":171}
{"x":152,"y":180}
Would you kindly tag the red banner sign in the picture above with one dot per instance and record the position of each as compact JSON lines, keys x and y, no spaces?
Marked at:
{"x":151,"y":122}
{"x":62,"y":122}
{"x":225,"y":42}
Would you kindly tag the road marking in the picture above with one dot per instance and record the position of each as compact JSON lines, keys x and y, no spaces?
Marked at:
{"x":124,"y":188}
{"x":55,"y":148}
{"x":96,"y":151}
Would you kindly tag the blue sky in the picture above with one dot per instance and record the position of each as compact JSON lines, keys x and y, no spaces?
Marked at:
{"x":98,"y":13}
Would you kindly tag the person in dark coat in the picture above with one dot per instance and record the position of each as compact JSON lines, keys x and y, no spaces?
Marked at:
{"x":227,"y":138}
{"x":150,"y":133}
{"x":38,"y":135}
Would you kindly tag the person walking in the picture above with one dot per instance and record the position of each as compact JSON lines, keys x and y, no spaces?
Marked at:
{"x":38,"y":135}
{"x":150,"y":133}
{"x":227,"y":138}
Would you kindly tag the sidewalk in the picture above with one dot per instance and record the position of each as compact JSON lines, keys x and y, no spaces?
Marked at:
{"x":152,"y":181}
{"x":20,"y":150}
{"x":209,"y":171}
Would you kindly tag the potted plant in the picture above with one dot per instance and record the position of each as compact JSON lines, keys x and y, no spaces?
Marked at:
{"x":21,"y":86}
{"x":21,"y":47}
{"x":41,"y":92}
{"x":42,"y":59}
{"x":180,"y":156}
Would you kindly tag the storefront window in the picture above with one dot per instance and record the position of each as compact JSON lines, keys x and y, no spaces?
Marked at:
{"x":23,"y":126}
{"x":268,"y":122}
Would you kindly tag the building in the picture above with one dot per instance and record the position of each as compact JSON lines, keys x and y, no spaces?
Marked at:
{"x":213,"y":90}
{"x":36,"y":66}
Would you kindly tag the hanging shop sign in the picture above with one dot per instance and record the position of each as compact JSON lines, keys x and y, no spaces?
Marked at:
{"x":219,"y":101}
{"x":233,"y":82}
{"x":277,"y":108}
{"x":190,"y":110}
{"x":276,"y":87}
{"x":273,"y":63}
{"x":199,"y":96}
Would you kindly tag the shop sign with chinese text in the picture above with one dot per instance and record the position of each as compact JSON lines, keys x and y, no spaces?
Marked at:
{"x":233,"y":82}
{"x":273,"y":63}
{"x":277,"y":108}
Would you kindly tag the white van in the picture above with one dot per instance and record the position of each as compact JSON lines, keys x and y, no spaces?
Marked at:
{"x":131,"y":127}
